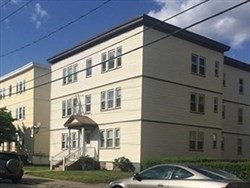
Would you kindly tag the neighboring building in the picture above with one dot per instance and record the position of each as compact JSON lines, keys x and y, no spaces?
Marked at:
{"x":236,"y":110}
{"x":26,"y":93}
{"x":127,"y":93}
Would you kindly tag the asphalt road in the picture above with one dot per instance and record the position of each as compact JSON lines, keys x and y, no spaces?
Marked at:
{"x":31,"y":182}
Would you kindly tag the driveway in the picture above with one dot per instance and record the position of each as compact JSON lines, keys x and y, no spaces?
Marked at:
{"x":32,"y":181}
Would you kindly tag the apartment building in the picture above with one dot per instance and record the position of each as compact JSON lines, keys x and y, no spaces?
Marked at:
{"x":25,"y":92}
{"x":236,"y":110}
{"x":141,"y":92}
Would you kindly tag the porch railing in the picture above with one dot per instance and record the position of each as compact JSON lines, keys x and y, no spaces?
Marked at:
{"x":68,"y":159}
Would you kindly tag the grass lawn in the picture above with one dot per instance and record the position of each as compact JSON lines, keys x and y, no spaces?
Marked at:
{"x":96,"y":176}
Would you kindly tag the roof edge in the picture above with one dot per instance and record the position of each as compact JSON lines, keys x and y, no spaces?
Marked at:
{"x":236,"y":63}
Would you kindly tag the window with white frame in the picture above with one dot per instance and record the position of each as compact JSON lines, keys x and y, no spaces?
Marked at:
{"x":117,"y":137}
{"x":222,"y":143}
{"x":241,"y":86}
{"x":240,"y":116}
{"x":110,"y":138}
{"x":10,"y":90}
{"x":20,"y":86}
{"x":69,"y":107}
{"x":224,"y":79}
{"x":197,"y":103}
{"x":111,"y":99}
{"x":196,"y":141}
{"x":88,"y":103}
{"x":70,"y":74}
{"x":215,"y":105}
{"x":89,"y":67}
{"x":111,"y":59}
{"x":20,"y":113}
{"x":64,"y":141}
{"x":102,"y":139}
{"x":217,"y":68}
{"x":74,"y":140}
{"x":198,"y":65}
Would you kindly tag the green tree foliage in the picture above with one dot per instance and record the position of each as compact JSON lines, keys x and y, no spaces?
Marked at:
{"x":7,"y":129}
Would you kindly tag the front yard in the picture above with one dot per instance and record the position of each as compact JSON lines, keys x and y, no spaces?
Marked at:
{"x":95,"y":176}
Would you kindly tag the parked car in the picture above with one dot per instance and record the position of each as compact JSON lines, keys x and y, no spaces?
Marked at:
{"x":180,"y":176}
{"x":11,"y":166}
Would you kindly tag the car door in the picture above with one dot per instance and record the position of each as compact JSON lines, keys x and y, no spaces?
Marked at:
{"x":179,"y":179}
{"x":156,"y":177}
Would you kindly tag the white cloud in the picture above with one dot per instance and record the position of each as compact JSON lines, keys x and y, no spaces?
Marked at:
{"x":15,"y":1}
{"x":232,"y":27}
{"x":39,"y":15}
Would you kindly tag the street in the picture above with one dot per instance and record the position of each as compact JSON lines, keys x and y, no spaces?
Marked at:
{"x":31,"y":182}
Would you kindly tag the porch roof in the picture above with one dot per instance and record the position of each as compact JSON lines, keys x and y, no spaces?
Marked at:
{"x":78,"y":121}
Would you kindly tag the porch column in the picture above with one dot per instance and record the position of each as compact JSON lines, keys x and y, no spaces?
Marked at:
{"x":83,"y":141}
{"x":69,"y":141}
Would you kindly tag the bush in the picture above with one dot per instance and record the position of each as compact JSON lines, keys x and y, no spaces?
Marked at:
{"x":123,"y":164}
{"x":88,"y":163}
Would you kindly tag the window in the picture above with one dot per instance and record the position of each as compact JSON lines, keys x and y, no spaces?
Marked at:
{"x":223,"y":111}
{"x":70,"y":74}
{"x":117,"y":137}
{"x":110,"y":138}
{"x":88,"y":136}
{"x":180,"y":173}
{"x":241,"y":86}
{"x":197,"y":103}
{"x":216,"y":69}
{"x":222,"y":143}
{"x":10,"y":90}
{"x":1,"y":94}
{"x":103,"y":100}
{"x":118,"y":97}
{"x":214,"y":141}
{"x":215,"y":105}
{"x":102,"y":132}
{"x":239,"y":146}
{"x":109,"y":141}
{"x":110,"y":98}
{"x":196,"y":141}
{"x":119,"y":57}
{"x":69,"y":107}
{"x":20,"y":113}
{"x":89,"y":67}
{"x":88,"y":103}
{"x":111,"y":59}
{"x":64,"y":141}
{"x":157,"y":173}
{"x":240,"y":116}
{"x":198,"y":65}
{"x":104,"y":61}
{"x":74,"y":140}
{"x":224,"y":79}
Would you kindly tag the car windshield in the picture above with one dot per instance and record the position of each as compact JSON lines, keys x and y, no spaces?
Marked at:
{"x":213,"y":173}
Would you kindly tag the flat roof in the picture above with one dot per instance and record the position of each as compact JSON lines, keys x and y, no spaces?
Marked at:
{"x":236,"y":63}
{"x":134,"y":23}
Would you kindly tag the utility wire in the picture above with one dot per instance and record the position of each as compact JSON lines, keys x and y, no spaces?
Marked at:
{"x":16,"y":11}
{"x":150,"y":43}
{"x":6,"y":3}
{"x":158,"y":23}
{"x":57,"y":30}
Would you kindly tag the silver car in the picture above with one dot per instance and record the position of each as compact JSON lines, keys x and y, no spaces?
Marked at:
{"x":180,"y":176}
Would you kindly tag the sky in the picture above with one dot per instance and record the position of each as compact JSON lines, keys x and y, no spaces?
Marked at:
{"x":35,"y":30}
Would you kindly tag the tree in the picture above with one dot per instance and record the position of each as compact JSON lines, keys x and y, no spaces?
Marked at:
{"x":7,"y":129}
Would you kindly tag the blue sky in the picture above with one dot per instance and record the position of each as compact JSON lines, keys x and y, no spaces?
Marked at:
{"x":41,"y":17}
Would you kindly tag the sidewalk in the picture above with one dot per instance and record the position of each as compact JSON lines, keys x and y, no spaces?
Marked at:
{"x":39,"y":182}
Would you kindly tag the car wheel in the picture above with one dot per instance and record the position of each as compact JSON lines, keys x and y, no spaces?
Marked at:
{"x":13,"y":166}
{"x":16,"y":180}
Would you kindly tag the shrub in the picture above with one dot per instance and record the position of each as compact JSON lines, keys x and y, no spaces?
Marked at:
{"x":87,"y":163}
{"x":123,"y":164}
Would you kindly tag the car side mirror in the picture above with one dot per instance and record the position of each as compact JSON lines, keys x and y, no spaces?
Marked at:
{"x":137,"y":177}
